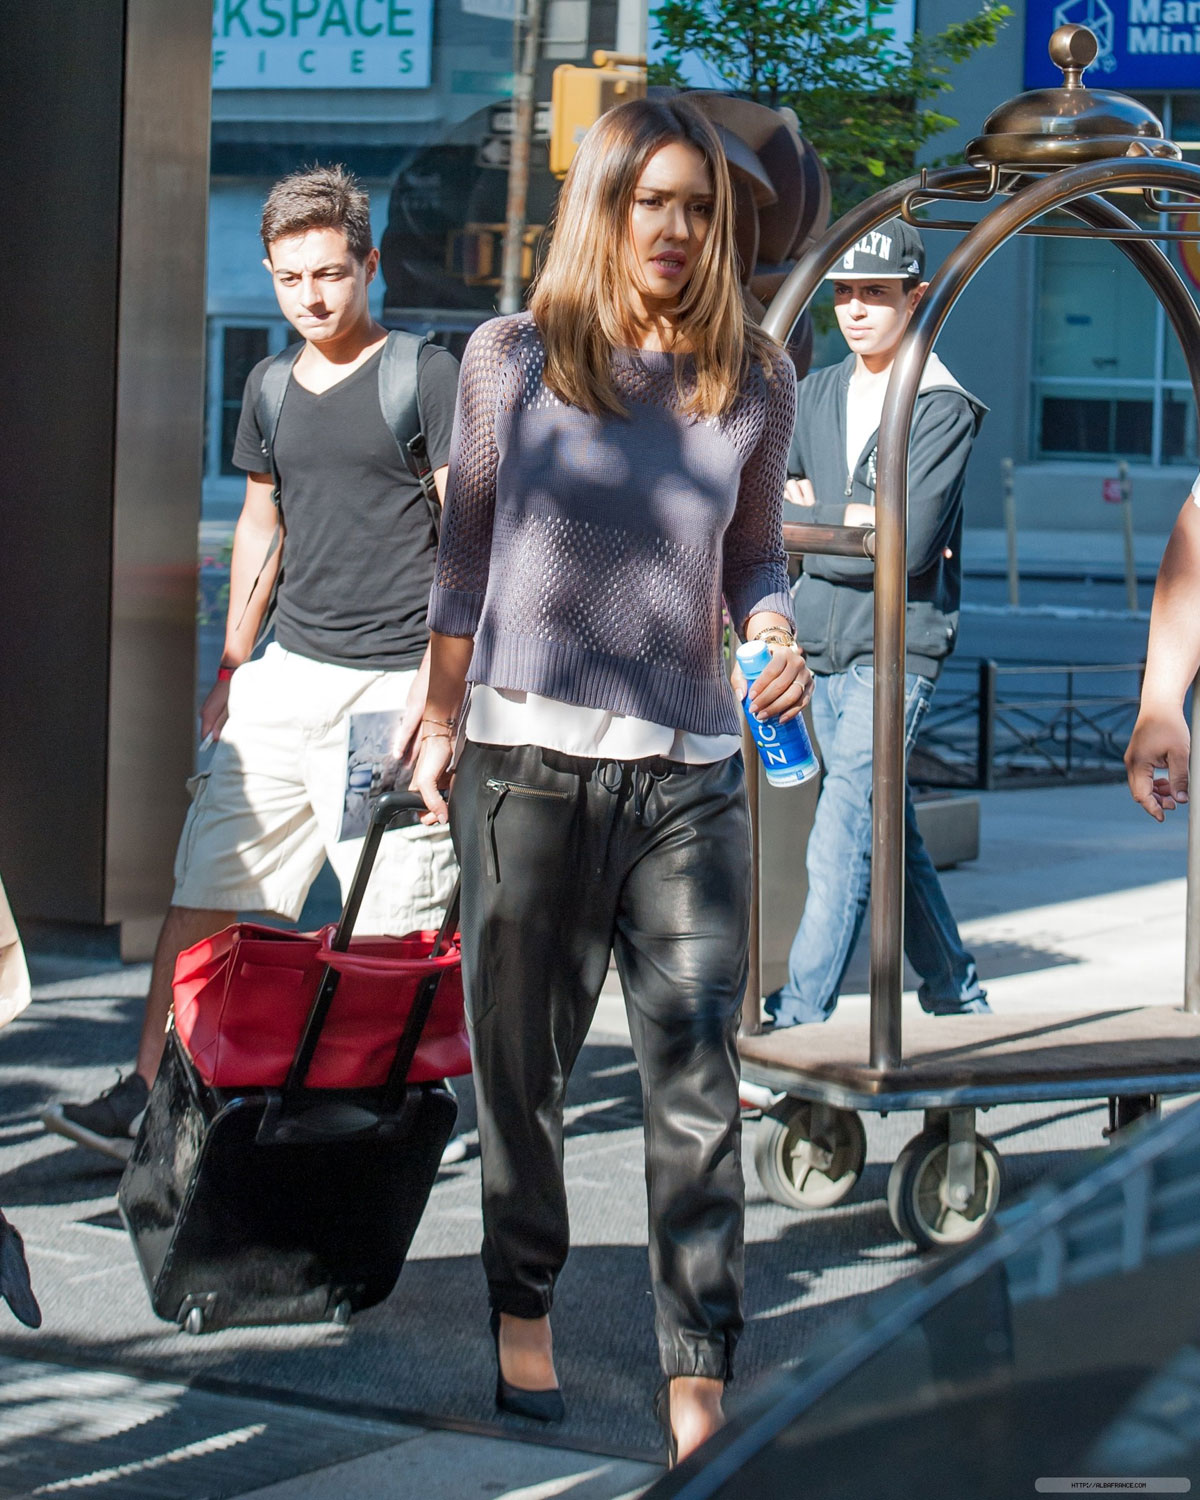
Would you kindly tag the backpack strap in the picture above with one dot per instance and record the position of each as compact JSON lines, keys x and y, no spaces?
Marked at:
{"x":400,"y":402}
{"x":267,"y":410}
{"x":269,"y":406}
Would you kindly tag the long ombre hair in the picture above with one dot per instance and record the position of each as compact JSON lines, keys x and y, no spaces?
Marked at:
{"x":581,"y":298}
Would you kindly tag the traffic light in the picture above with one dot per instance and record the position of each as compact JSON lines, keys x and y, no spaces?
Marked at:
{"x":581,"y":95}
{"x":476,"y":251}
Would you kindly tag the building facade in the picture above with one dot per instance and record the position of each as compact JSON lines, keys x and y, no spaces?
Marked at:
{"x":1079,"y":365}
{"x":1061,"y":337}
{"x":415,"y":98}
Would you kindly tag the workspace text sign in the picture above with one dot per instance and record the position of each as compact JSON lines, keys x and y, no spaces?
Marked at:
{"x":1144,"y":44}
{"x":322,"y":44}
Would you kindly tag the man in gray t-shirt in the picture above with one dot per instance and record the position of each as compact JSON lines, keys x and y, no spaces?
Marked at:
{"x":351,"y":546}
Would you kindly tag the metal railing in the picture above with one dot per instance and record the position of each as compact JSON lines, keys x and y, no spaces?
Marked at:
{"x":1043,"y":724}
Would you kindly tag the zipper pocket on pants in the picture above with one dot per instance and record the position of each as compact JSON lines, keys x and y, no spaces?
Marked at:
{"x":521,"y":789}
{"x":517,"y":789}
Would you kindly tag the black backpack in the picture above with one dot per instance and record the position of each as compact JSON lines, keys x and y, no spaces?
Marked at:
{"x":399,"y":400}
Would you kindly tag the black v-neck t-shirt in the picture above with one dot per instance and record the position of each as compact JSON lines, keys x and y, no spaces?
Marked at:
{"x":359,"y":550}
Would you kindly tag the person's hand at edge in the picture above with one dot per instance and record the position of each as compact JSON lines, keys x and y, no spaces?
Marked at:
{"x":800,"y":492}
{"x":1160,"y":740}
{"x":1160,"y":737}
{"x":431,"y":775}
{"x":214,"y":711}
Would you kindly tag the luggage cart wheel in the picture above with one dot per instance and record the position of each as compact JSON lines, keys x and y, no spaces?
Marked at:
{"x":194,"y":1322}
{"x":925,"y":1205}
{"x":809,"y":1155}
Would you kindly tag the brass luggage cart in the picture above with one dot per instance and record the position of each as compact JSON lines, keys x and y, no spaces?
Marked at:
{"x":1064,"y":150}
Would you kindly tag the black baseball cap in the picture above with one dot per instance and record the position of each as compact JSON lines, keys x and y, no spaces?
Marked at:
{"x":894,"y":249}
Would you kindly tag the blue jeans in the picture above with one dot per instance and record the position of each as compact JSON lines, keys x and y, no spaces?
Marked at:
{"x":839,"y":868}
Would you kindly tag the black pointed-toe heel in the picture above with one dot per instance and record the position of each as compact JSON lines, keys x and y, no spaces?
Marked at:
{"x":14,"y":1277}
{"x":662,"y":1410}
{"x":536,"y":1406}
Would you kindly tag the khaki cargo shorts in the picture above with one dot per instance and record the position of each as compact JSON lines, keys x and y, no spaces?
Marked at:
{"x":267,"y":811}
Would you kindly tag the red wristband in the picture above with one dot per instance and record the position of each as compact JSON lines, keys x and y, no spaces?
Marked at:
{"x":224,"y":673}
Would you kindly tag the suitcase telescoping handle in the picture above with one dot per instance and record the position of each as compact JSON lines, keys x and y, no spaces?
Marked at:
{"x":385,"y":811}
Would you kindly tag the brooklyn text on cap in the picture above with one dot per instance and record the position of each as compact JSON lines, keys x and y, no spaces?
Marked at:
{"x":894,"y":249}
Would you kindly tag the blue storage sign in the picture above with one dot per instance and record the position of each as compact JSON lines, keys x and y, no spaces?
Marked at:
{"x":1144,"y":44}
{"x":322,"y":44}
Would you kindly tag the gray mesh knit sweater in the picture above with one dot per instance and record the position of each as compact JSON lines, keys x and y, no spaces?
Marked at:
{"x":588,"y":555}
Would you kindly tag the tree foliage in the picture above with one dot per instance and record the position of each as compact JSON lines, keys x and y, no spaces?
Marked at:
{"x":864,"y":102}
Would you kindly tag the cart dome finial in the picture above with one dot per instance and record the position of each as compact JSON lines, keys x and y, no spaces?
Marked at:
{"x":1047,"y":129}
{"x":1073,"y":48}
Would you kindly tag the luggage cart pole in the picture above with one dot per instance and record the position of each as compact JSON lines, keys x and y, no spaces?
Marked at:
{"x":887,"y":740}
{"x":752,"y":1002}
{"x":835,"y":541}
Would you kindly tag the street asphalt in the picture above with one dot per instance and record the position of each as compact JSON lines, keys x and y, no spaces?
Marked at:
{"x":1075,"y":902}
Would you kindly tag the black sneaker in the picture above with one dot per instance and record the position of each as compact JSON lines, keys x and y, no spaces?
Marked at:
{"x":109,"y":1122}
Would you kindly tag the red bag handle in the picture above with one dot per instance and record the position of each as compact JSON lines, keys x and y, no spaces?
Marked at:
{"x":384,"y":812}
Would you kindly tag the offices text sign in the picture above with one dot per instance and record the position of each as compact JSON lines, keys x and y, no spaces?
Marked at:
{"x":322,"y":44}
{"x":1144,"y":44}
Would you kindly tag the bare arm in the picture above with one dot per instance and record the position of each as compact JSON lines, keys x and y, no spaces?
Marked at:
{"x":253,"y":569}
{"x":414,"y":705}
{"x":449,"y":658}
{"x":1160,"y":736}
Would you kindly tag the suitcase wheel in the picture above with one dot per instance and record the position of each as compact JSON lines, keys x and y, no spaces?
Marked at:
{"x":194,"y":1322}
{"x":341,"y":1313}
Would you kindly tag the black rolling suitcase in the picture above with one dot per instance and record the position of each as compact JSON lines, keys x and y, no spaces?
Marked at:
{"x":287,"y":1205}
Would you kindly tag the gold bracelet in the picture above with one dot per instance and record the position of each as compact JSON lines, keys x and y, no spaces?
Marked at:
{"x":436,"y":734}
{"x":450,"y":723}
{"x":775,"y":635}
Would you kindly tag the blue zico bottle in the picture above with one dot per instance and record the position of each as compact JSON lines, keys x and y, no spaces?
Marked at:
{"x":785,"y":749}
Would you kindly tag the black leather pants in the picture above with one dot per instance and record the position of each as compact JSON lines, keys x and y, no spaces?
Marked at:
{"x":565,"y":861}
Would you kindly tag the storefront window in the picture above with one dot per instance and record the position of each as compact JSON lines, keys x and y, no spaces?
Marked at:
{"x":1109,"y":377}
{"x":416,"y":100}
{"x":233,"y":351}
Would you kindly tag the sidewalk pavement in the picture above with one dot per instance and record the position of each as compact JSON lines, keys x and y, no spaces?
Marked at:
{"x":113,"y":1434}
{"x":1061,"y":554}
{"x":1076,"y":901}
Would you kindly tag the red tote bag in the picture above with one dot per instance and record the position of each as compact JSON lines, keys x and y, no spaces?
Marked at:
{"x":242,"y":996}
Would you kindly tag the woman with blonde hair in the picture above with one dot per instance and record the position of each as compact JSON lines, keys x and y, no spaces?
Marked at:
{"x":617,"y":467}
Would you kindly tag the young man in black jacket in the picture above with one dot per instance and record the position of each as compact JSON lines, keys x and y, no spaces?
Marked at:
{"x":877,"y":286}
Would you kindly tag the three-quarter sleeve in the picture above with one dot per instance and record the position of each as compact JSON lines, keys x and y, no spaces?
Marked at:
{"x":464,"y":551}
{"x":754,"y":575}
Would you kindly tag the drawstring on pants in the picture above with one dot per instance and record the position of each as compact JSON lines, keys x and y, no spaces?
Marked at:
{"x":628,"y":781}
{"x":632,"y":779}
